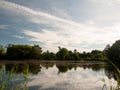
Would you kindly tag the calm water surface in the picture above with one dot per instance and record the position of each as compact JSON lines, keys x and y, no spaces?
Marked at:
{"x":57,"y":76}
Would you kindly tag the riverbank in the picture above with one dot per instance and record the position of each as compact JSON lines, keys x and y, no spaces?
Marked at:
{"x":58,"y":62}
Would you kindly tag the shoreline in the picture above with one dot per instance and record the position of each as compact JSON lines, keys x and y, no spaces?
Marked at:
{"x":51,"y":62}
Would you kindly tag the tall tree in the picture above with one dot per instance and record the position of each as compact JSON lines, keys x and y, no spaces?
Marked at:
{"x":23,"y":51}
{"x":18,"y":51}
{"x":36,"y":52}
{"x":62,"y":54}
{"x":97,"y":55}
{"x":48,"y":55}
{"x":113,"y":52}
{"x":76,"y":55}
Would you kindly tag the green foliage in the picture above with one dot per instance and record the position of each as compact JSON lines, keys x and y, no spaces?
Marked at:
{"x":62,"y":54}
{"x":97,"y":55}
{"x":85,"y":56}
{"x":2,"y":52}
{"x":19,"y":52}
{"x":36,"y":52}
{"x":113,"y":55}
{"x":94,"y":55}
{"x":48,"y":55}
{"x":25,"y":52}
{"x":76,"y":55}
{"x":113,"y":52}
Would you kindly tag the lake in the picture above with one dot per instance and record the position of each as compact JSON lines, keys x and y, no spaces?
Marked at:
{"x":56,"y":75}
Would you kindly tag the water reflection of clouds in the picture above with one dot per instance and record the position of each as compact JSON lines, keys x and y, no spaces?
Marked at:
{"x":80,"y":79}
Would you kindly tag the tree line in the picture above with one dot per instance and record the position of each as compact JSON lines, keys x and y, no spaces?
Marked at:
{"x":23,"y":52}
{"x":28,"y":52}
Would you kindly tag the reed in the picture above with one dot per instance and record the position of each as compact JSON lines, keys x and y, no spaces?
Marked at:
{"x":5,"y":82}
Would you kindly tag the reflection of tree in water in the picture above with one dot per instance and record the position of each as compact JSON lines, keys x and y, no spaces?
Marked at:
{"x":33,"y":68}
{"x":97,"y":67}
{"x":1,"y":66}
{"x":111,"y":72}
{"x":65,"y":68}
{"x":47,"y":65}
{"x":20,"y":68}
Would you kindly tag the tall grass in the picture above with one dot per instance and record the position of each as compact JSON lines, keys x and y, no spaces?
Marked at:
{"x":5,"y":81}
{"x":26,"y":72}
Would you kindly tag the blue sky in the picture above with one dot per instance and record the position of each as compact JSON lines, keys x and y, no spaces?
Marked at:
{"x":74,"y":24}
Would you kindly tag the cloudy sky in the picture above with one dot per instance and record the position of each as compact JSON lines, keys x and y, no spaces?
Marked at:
{"x":74,"y":24}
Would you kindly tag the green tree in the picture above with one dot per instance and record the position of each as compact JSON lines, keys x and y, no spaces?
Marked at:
{"x":97,"y":55}
{"x":62,"y":54}
{"x":113,"y":52}
{"x":2,"y":52}
{"x":36,"y":52}
{"x":71,"y":55}
{"x":19,"y":52}
{"x":85,"y":56}
{"x":76,"y":55}
{"x":48,"y":55}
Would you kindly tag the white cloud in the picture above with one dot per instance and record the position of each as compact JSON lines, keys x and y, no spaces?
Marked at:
{"x":61,"y":13}
{"x":63,"y":32}
{"x":106,"y":2}
{"x":17,"y":36}
{"x":3,"y":26}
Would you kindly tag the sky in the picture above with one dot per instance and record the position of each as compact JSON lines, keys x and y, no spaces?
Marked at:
{"x":84,"y":25}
